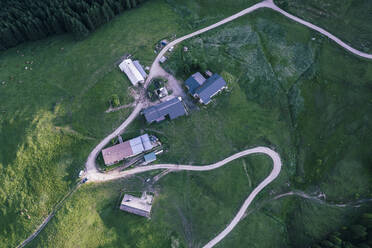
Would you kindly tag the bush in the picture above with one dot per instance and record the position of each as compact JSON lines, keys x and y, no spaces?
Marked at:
{"x":115,"y":101}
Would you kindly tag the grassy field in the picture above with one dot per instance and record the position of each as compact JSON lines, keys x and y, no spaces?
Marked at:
{"x":91,"y":218}
{"x":314,"y":96}
{"x":52,"y":113}
{"x":317,"y":90}
{"x":307,"y":99}
{"x":349,"y":20}
{"x":199,"y":13}
{"x":184,"y":209}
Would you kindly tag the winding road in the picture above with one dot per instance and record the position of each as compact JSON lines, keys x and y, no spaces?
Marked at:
{"x":93,"y":174}
{"x":277,"y":164}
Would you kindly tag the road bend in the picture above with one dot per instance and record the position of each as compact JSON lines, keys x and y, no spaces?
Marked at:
{"x":277,"y":164}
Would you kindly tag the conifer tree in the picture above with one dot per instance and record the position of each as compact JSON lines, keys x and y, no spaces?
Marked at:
{"x":22,"y":20}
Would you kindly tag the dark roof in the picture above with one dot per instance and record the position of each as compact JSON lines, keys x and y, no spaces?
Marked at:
{"x":173,"y":108}
{"x":194,"y":82}
{"x":210,"y":88}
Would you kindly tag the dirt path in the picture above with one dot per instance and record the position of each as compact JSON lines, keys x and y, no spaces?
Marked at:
{"x":111,"y":109}
{"x":314,"y":198}
{"x":90,"y":165}
{"x":318,"y":199}
{"x":271,"y":5}
{"x":49,"y":217}
{"x":157,"y":70}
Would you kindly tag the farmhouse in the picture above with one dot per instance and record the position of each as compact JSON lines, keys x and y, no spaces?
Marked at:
{"x":173,"y":108}
{"x":140,"y":206}
{"x":204,"y":89}
{"x":127,"y":149}
{"x":133,"y":70}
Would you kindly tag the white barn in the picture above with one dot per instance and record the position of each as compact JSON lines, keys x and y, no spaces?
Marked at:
{"x":134,"y":73}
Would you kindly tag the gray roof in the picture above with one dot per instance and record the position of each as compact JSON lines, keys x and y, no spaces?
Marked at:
{"x":129,"y":148}
{"x":194,"y":82}
{"x":150,"y":157}
{"x":139,"y":68}
{"x":213,"y":84}
{"x":173,"y":108}
{"x":140,"y":206}
{"x":198,"y":78}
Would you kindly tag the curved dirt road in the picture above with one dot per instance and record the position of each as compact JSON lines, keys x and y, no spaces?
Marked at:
{"x":270,"y":4}
{"x":90,"y":165}
{"x":277,"y":164}
{"x":156,"y":69}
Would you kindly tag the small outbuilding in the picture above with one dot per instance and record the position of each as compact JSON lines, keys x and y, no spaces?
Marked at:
{"x":164,"y":42}
{"x":161,"y":92}
{"x":150,"y":157}
{"x":140,"y":206}
{"x":163,"y":59}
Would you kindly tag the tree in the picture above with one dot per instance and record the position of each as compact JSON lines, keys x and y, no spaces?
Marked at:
{"x":358,"y":232}
{"x":203,"y":66}
{"x":335,"y":240}
{"x":186,"y":69}
{"x":364,"y":246}
{"x":79,"y":29}
{"x":23,"y":20}
{"x":128,"y":4}
{"x":87,"y":22}
{"x":347,"y":245}
{"x":326,"y":243}
{"x":115,"y":101}
{"x":366,"y":220}
{"x":316,"y":246}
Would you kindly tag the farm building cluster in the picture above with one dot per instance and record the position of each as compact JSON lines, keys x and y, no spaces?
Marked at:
{"x":200,"y":87}
{"x":129,"y":148}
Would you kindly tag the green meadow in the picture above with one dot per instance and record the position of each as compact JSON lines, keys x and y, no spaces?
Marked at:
{"x":289,"y":88}
{"x":348,"y":20}
{"x":54,"y":94}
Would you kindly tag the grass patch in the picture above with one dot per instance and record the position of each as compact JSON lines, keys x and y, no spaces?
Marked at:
{"x":199,"y":13}
{"x":349,"y":20}
{"x":98,"y":206}
{"x":53,"y":112}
